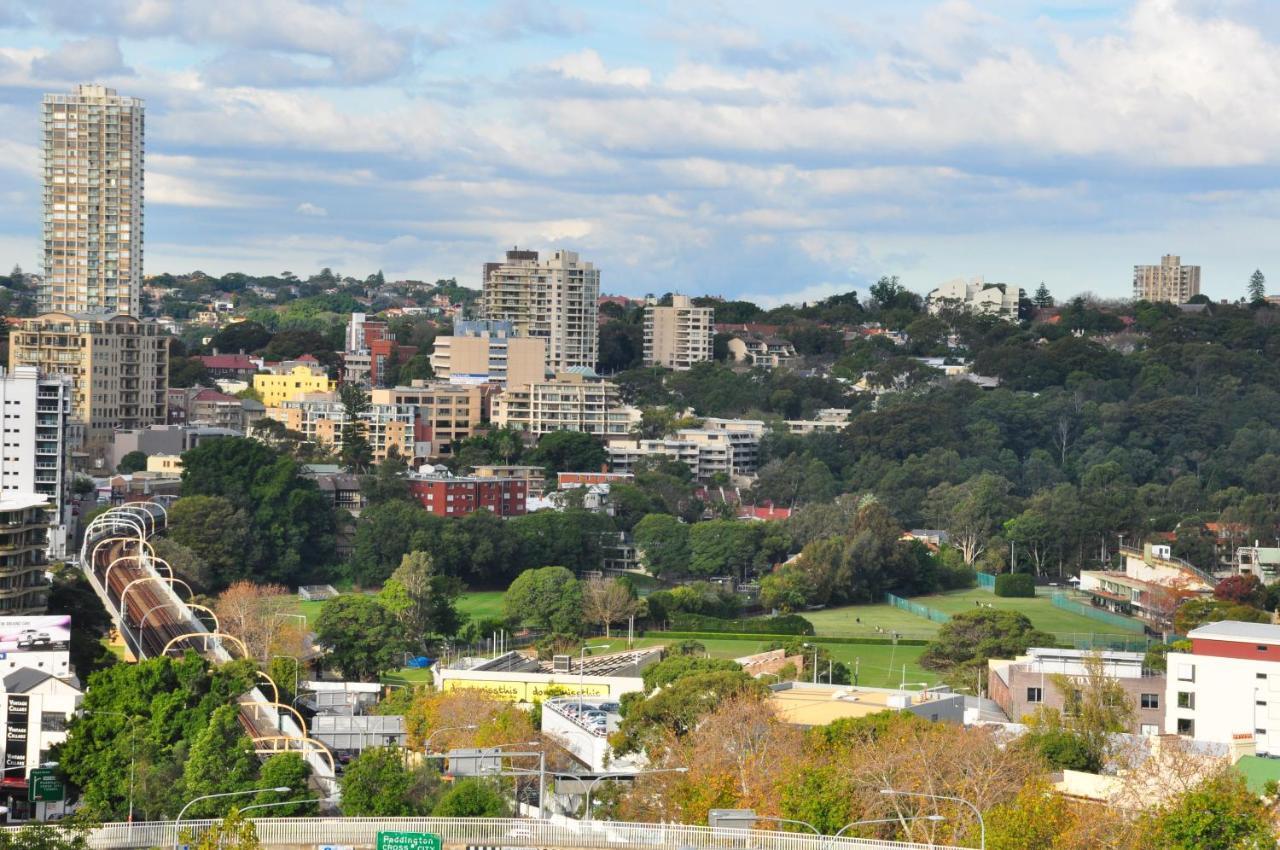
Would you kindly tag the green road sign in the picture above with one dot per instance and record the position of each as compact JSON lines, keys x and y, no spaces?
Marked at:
{"x":409,"y":841}
{"x":44,"y":787}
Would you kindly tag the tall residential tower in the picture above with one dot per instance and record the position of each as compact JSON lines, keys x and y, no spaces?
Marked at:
{"x":552,"y":299}
{"x":92,"y":161}
{"x":1170,"y":281}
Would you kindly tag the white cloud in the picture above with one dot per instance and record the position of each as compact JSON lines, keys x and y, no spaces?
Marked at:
{"x":586,"y":66}
{"x":167,"y":189}
{"x":308,"y":208}
{"x":81,"y":60}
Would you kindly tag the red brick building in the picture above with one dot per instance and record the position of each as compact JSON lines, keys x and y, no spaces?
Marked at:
{"x":446,"y":495}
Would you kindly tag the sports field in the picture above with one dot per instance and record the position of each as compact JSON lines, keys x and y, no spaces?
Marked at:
{"x":475,"y":604}
{"x":1040,"y":610}
{"x":877,"y":665}
{"x":869,"y":621}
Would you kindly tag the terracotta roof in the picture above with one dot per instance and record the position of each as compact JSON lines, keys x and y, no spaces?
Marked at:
{"x":213,"y":395}
{"x":226,"y":361}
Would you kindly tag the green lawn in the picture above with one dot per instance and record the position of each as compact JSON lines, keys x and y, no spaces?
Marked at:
{"x":1040,"y":610}
{"x":863,"y":620}
{"x":481,"y":603}
{"x":878,"y":665}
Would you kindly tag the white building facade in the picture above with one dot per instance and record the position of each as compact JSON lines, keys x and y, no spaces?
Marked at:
{"x":978,"y":296}
{"x":34,"y":415}
{"x":552,"y":299}
{"x":679,"y":335}
{"x":1228,"y":686}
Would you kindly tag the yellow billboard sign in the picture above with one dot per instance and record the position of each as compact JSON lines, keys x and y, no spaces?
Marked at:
{"x":519,"y":690}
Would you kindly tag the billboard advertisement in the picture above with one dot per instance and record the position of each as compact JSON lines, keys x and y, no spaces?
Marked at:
{"x":49,"y":633}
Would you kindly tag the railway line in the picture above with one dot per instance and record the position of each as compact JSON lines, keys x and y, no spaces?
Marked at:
{"x":155,"y":615}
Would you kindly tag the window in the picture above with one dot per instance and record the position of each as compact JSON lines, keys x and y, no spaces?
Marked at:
{"x":1035,"y":695}
{"x":1149,"y":729}
{"x":1186,"y":726}
{"x":1186,"y":672}
{"x":53,"y":722}
{"x":1186,"y":699}
{"x":1150,"y":701}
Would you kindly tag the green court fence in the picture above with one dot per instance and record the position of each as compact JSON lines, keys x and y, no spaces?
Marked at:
{"x":916,"y":608}
{"x":986,"y":581}
{"x":1127,"y":624}
{"x":1116,"y":643}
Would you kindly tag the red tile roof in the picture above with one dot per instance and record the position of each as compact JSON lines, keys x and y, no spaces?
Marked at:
{"x":226,"y":361}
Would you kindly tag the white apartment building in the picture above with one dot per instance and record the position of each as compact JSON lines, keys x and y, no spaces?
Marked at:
{"x":828,"y":419}
{"x":1170,"y":281}
{"x":489,"y":352}
{"x":575,"y":400}
{"x":1228,"y":686}
{"x":706,"y":451}
{"x":978,"y":296}
{"x":552,"y":299}
{"x":322,"y":418}
{"x":34,"y":412}
{"x":678,"y":336}
{"x":91,"y":157}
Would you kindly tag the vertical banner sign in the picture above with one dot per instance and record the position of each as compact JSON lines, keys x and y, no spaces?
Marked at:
{"x":15,"y":730}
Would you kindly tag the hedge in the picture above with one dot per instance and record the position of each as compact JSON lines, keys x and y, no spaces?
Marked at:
{"x":661,"y":635}
{"x":1020,"y":585}
{"x":787,"y":624}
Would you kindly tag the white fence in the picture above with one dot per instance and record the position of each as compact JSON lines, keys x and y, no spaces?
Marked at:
{"x":497,"y":832}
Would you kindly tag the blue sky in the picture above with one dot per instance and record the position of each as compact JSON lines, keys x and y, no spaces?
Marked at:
{"x":776,"y":151}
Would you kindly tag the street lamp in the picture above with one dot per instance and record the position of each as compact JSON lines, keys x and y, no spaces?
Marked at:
{"x":582,"y":673}
{"x":787,"y":820}
{"x":281,"y":803}
{"x":283,"y":789}
{"x":982,"y":824}
{"x":598,"y":779}
{"x":840,"y":832}
{"x":426,"y":745}
{"x":814,"y":646}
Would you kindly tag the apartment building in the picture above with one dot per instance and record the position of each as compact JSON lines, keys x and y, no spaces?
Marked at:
{"x":322,"y":417}
{"x":677,"y":336}
{"x":829,"y":420}
{"x":1170,"y":281}
{"x":451,"y":495}
{"x":24,"y":535}
{"x":118,"y":366}
{"x":449,"y":413}
{"x":758,"y":350}
{"x":372,"y":353}
{"x":1227,"y":686}
{"x":978,"y":296}
{"x":534,"y":477}
{"x":552,"y":299}
{"x":705,"y":451}
{"x":575,"y":400}
{"x":1024,"y":684}
{"x":35,"y":412}
{"x":205,"y":406}
{"x":289,"y":380}
{"x":1150,"y":587}
{"x":91,"y":161}
{"x":489,"y":352}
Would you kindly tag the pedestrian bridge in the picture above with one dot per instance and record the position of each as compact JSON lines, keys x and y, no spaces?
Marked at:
{"x":458,"y":833}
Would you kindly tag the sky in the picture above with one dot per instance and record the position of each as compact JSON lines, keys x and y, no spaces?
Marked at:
{"x":779,"y":152}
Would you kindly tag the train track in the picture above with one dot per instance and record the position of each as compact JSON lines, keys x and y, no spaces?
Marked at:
{"x":145,"y":599}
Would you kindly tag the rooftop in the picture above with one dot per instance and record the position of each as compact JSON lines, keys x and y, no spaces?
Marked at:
{"x":818,"y":705}
{"x":1236,"y":631}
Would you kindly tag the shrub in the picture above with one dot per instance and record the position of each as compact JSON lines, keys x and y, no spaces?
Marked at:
{"x":787,"y":624}
{"x":1015,"y":584}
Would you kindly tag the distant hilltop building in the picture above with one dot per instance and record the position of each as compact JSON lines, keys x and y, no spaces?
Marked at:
{"x":91,"y":156}
{"x":978,"y":296}
{"x":678,"y":335}
{"x":554,"y":299}
{"x":1170,"y":281}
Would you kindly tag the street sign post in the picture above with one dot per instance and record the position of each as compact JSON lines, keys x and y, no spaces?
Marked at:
{"x":409,"y":841}
{"x":43,"y":786}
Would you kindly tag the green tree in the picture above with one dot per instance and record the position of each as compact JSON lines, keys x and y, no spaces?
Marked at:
{"x":221,"y":760}
{"x":416,"y":368}
{"x":568,"y":451}
{"x":966,"y":641}
{"x":39,"y":836}
{"x":471,"y":798}
{"x":722,"y":547}
{"x":1095,"y":709}
{"x":546,"y":598}
{"x":218,"y":533}
{"x":1197,"y":612}
{"x":232,"y":832}
{"x":378,"y":783}
{"x":388,"y":481}
{"x":679,"y":706}
{"x":662,"y":542}
{"x":363,"y":638}
{"x":972,"y":511}
{"x":1219,"y":814}
{"x":357,"y":454}
{"x":1257,"y":287}
{"x":134,"y":461}
{"x":422,"y":599}
{"x":285,"y":770}
{"x":1042,"y":298}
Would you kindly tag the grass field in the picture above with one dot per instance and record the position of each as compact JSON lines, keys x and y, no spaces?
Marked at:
{"x":481,"y":603}
{"x":1040,"y":610}
{"x":844,"y":622}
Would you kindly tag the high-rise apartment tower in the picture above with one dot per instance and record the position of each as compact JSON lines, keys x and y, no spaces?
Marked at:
{"x":1170,"y":281}
{"x":679,"y":335}
{"x":552,"y":299}
{"x":92,"y":168}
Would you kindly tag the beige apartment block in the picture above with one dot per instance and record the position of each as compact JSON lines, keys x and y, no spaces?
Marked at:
{"x":677,"y":336}
{"x":552,"y":299}
{"x":91,"y":161}
{"x":322,"y":417}
{"x":449,"y":412}
{"x":489,"y":352}
{"x":573,"y":401}
{"x":1170,"y":281}
{"x":118,"y":365}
